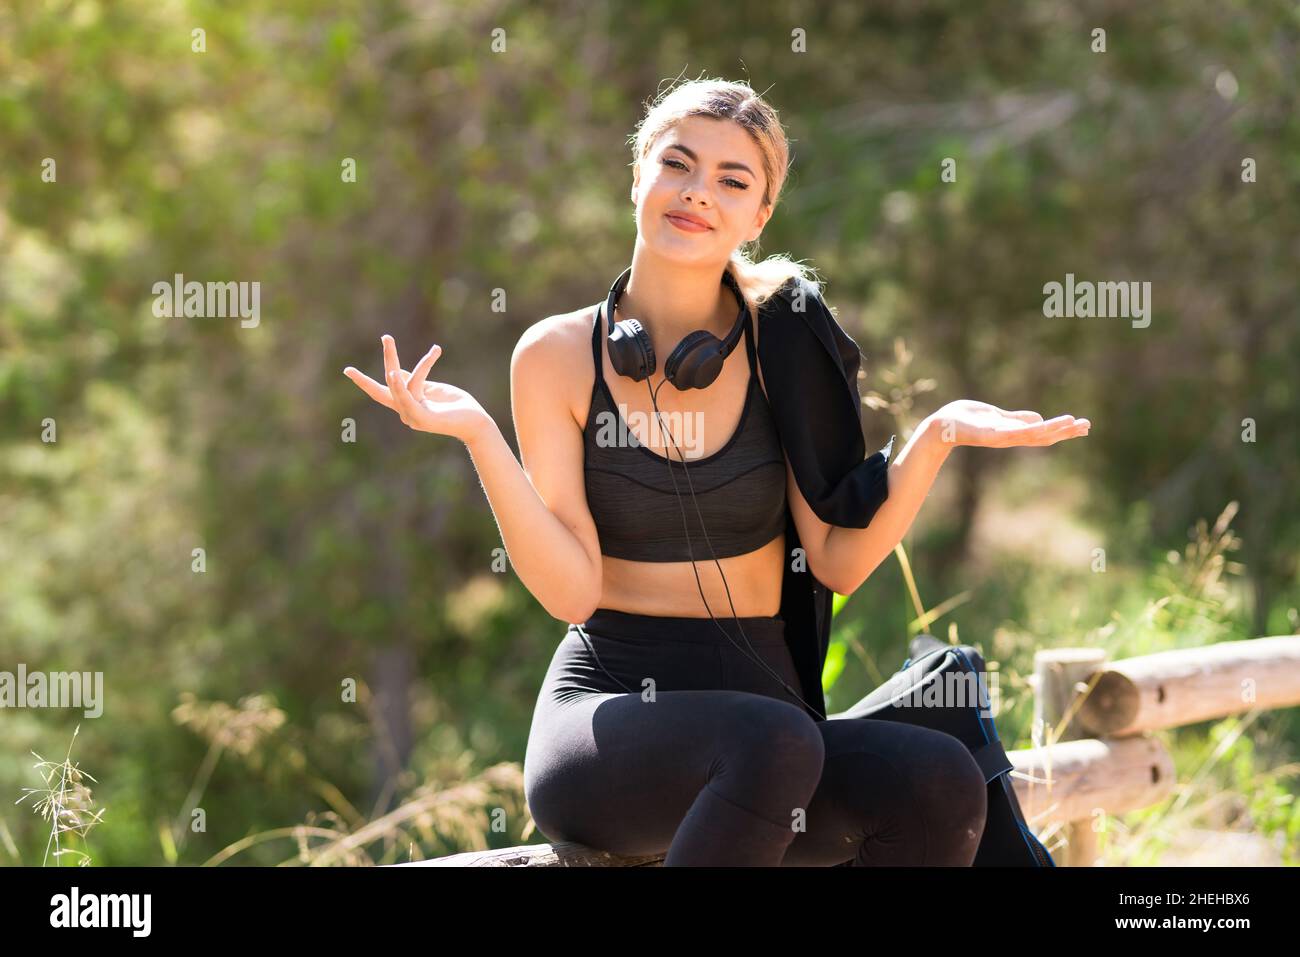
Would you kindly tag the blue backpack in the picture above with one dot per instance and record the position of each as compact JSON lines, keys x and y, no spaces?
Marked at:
{"x":942,"y":686}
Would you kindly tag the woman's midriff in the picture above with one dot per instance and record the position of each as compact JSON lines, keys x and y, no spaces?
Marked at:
{"x":669,"y":588}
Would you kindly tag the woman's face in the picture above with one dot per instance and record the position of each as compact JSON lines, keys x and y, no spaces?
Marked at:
{"x":710,"y":169}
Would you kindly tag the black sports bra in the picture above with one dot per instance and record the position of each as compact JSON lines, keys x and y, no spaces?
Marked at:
{"x":740,"y":488}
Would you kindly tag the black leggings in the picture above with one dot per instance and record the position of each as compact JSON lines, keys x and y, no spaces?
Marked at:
{"x":712,"y":762}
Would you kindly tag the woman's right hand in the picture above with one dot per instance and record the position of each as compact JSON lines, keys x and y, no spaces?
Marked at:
{"x":435,"y":407}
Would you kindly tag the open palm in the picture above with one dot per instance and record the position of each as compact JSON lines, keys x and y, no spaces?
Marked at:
{"x":970,"y":422}
{"x":436,"y":407}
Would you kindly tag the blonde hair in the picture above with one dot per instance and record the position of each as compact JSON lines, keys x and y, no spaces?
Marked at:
{"x":733,"y":100}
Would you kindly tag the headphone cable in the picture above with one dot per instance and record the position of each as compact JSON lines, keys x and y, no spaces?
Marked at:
{"x":753,"y":655}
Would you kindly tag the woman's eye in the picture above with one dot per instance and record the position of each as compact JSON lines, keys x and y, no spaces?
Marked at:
{"x":730,"y":181}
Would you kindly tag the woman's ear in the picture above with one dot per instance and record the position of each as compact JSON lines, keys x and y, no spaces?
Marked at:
{"x":636,"y":179}
{"x":760,"y":219}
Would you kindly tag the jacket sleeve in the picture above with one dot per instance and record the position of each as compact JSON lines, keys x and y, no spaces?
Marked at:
{"x":810,"y":367}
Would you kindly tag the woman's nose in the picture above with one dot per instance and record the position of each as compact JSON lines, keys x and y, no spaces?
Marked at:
{"x":695,"y":196}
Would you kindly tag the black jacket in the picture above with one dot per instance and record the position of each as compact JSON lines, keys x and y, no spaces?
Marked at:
{"x":810,"y":369}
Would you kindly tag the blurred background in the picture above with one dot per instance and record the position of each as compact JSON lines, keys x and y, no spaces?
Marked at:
{"x":488,"y":162}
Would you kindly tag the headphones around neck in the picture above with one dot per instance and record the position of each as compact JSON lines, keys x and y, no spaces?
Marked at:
{"x":694,"y":364}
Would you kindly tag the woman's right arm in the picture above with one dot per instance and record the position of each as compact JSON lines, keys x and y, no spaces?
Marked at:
{"x":541,"y":507}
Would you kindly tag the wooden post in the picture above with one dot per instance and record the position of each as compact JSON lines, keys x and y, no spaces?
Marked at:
{"x":1061,"y":674}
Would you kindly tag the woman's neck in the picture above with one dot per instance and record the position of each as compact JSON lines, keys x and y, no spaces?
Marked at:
{"x":672,"y":300}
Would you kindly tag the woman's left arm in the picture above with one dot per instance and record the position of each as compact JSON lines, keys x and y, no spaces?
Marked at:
{"x":842,"y":558}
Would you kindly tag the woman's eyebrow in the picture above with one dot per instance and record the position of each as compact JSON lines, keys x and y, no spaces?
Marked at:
{"x":725,"y":164}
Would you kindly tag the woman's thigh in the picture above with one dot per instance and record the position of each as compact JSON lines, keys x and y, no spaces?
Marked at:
{"x":620,"y":772}
{"x":892,"y":794}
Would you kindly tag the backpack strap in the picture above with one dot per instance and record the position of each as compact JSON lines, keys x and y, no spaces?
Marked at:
{"x":992,"y":759}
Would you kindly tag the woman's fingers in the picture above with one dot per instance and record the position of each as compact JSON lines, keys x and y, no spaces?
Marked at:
{"x":1057,"y":422}
{"x":1024,"y":415}
{"x":407,"y":405}
{"x":391,"y":364}
{"x":404,"y":392}
{"x":1034,"y":433}
{"x":1068,"y":423}
{"x":1050,"y":430}
{"x":1057,"y":429}
{"x":404,"y":403}
{"x":416,"y":384}
{"x":370,"y":387}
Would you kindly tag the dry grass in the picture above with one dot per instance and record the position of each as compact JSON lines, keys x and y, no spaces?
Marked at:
{"x":66,"y":802}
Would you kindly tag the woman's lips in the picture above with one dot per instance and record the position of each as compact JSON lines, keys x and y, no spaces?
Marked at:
{"x":685,"y":225}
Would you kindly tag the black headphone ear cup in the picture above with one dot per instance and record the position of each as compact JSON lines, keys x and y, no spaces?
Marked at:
{"x":696,"y":361}
{"x":630,"y":351}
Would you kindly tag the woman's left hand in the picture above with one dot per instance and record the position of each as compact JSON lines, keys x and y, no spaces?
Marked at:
{"x":968,"y":422}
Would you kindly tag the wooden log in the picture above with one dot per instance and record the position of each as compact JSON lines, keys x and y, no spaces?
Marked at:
{"x":1173,"y":688}
{"x":565,"y":854}
{"x":1074,"y":781}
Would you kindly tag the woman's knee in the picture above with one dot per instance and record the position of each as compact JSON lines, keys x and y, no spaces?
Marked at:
{"x":553,"y":794}
{"x":541,"y":796}
{"x":955,"y":798}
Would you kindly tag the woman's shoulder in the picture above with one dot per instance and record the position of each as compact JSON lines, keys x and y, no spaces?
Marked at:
{"x":562,"y":340}
{"x":555,"y":354}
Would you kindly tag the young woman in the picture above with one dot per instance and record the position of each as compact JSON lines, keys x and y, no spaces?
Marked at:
{"x":656,"y":730}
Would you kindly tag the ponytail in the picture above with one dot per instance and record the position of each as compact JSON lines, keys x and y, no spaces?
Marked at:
{"x":758,"y":281}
